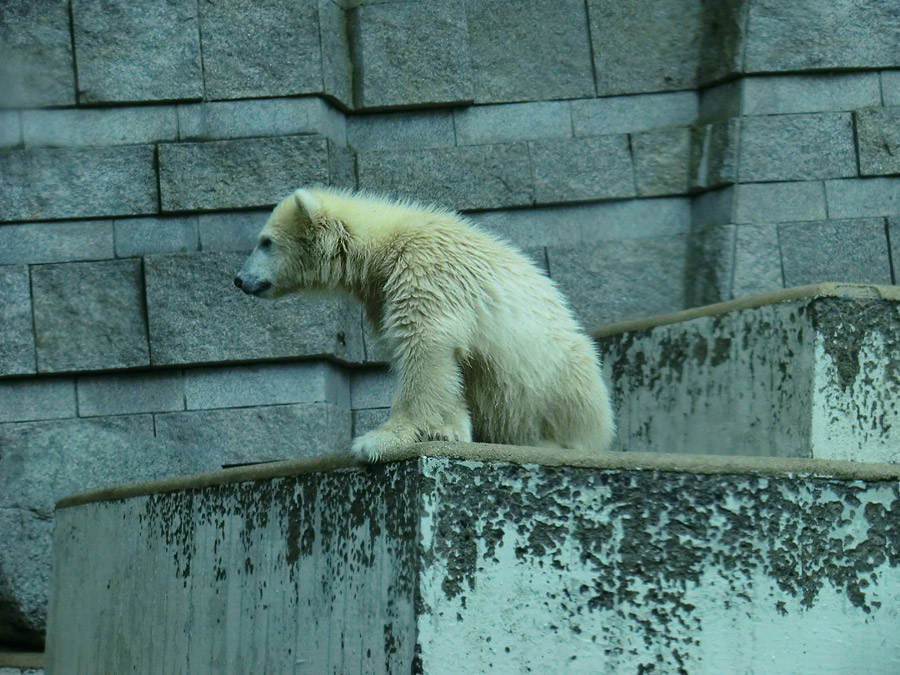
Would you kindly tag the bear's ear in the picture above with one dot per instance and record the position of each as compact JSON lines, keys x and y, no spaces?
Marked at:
{"x":308,"y":205}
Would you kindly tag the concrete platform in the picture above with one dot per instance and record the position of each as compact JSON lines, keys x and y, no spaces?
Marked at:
{"x":805,"y":372}
{"x":465,"y":558}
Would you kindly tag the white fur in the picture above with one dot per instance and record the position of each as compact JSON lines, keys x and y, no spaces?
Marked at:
{"x":484,"y":345}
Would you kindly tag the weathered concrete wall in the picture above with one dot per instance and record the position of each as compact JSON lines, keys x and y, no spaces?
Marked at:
{"x":439,"y":565}
{"x":810,"y":373}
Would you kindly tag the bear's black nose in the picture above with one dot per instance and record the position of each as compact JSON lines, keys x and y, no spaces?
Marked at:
{"x":239,"y":283}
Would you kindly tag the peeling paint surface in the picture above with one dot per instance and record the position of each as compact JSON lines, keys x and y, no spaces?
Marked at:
{"x":550,"y":570}
{"x":305,"y":574}
{"x":817,"y":377}
{"x":443,"y":566}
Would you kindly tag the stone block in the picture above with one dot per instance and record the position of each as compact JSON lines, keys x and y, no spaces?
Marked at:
{"x":720,"y":102}
{"x":337,"y":68}
{"x":266,"y":384}
{"x":10,"y":128}
{"x":893,"y":235}
{"x":787,"y":94}
{"x":231,"y":231}
{"x":709,"y":268}
{"x":533,"y":51}
{"x":372,"y":388}
{"x":16,"y":327}
{"x":89,"y":316}
{"x":588,"y":223}
{"x":715,"y":207}
{"x":239,"y":173}
{"x":483,"y":124}
{"x":25,"y":400}
{"x":99,"y":126}
{"x":410,"y":53}
{"x":341,"y":166}
{"x":196,"y":315}
{"x":890,"y":87}
{"x":862,"y":197}
{"x":35,"y":54}
{"x":608,"y":282}
{"x":662,"y":161}
{"x":445,"y":557}
{"x":835,"y":250}
{"x":626,"y":114}
{"x":137,"y":51}
{"x":788,"y":36}
{"x":470,"y":177}
{"x":42,"y":462}
{"x":714,"y":154}
{"x":401,"y":130}
{"x":644,"y":46}
{"x":800,"y":372}
{"x":369,"y":419}
{"x":274,"y":52}
{"x":878,"y":136}
{"x":220,"y":120}
{"x":796,"y":147}
{"x":56,"y":242}
{"x":757,"y":261}
{"x":51,"y":184}
{"x":779,"y":202}
{"x":143,"y":236}
{"x":721,"y":45}
{"x":582,"y":169}
{"x":127,"y":393}
{"x":263,"y":434}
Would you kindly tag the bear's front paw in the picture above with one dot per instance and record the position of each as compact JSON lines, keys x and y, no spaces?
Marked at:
{"x":374,"y":445}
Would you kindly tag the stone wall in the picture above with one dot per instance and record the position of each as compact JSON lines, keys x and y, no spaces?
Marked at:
{"x":650,"y":156}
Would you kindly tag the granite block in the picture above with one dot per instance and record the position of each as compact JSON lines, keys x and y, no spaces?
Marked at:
{"x":137,"y":51}
{"x":242,"y":435}
{"x":814,"y":35}
{"x":862,"y":197}
{"x":367,"y":420}
{"x":89,"y":316}
{"x":196,"y":315}
{"x":721,"y":45}
{"x":337,"y":68}
{"x":56,"y":242}
{"x":582,"y":169}
{"x":715,"y":207}
{"x":878,"y":137}
{"x":35,"y":54}
{"x":372,"y":388}
{"x":644,"y":46}
{"x":10,"y":128}
{"x":23,"y":400}
{"x":410,"y":53}
{"x":757,"y":261}
{"x":714,"y":154}
{"x":469,"y":177}
{"x":890,"y":87}
{"x":142,"y":236}
{"x":796,"y":147}
{"x":127,"y":393}
{"x":99,"y":126}
{"x":275,"y":51}
{"x":534,"y":51}
{"x":401,"y":130}
{"x":16,"y":328}
{"x":624,"y":114}
{"x":835,"y":250}
{"x":231,"y":231}
{"x":239,"y":173}
{"x":266,"y":384}
{"x":50,"y":184}
{"x":479,"y":125}
{"x":827,"y":92}
{"x":662,"y":161}
{"x":779,"y":202}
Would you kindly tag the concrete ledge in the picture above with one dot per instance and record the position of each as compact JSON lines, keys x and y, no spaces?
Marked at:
{"x":21,"y":660}
{"x":451,"y":558}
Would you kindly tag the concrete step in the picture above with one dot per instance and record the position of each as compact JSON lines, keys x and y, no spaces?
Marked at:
{"x":804,"y":372}
{"x":21,"y":663}
{"x":464,"y":558}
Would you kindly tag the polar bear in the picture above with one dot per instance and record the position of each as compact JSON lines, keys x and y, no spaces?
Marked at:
{"x":483,"y":344}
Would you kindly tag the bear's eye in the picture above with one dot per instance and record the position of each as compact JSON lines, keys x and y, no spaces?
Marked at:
{"x":265,"y":243}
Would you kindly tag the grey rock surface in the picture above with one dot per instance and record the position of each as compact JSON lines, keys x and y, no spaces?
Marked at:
{"x":878,"y":135}
{"x":581,"y":169}
{"x":56,"y":242}
{"x":16,"y":328}
{"x":89,"y":316}
{"x":662,"y":161}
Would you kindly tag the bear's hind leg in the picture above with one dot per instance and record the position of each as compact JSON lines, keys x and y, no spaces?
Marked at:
{"x":428,"y":405}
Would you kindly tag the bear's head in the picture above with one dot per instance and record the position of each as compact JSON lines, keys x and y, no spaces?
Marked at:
{"x":299,"y":247}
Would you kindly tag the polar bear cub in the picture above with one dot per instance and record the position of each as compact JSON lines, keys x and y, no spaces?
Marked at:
{"x":483,"y":344}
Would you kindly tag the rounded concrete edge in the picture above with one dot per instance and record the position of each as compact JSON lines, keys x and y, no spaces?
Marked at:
{"x":22,"y":660}
{"x":824,"y":290}
{"x":483,"y":452}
